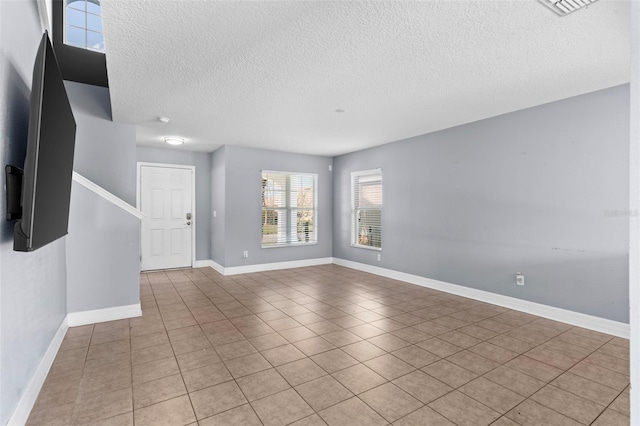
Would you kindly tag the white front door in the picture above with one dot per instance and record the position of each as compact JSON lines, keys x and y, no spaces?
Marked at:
{"x":165,"y":199}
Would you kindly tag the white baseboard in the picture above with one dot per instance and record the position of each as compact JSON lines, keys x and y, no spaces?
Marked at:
{"x":209,"y":263}
{"x":30,"y":395}
{"x":218,"y":267}
{"x":202,"y":263}
{"x":602,"y":325}
{"x":262,"y":267}
{"x":101,"y":315}
{"x":590,"y":322}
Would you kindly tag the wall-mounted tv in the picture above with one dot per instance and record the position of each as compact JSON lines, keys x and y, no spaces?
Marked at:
{"x":48,"y":167}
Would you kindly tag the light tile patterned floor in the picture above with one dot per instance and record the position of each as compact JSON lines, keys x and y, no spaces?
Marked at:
{"x":329,"y":345}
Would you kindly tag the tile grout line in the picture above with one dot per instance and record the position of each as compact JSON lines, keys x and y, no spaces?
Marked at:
{"x":245,"y":288}
{"x":463,"y":349}
{"x":193,"y":408}
{"x":223,"y":363}
{"x":84,"y":364}
{"x":609,"y":405}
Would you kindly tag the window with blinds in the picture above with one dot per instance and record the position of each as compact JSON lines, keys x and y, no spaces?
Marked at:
{"x":366,"y":211}
{"x":289,"y":209}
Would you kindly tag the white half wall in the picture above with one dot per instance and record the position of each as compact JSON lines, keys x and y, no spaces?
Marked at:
{"x":103,"y":249}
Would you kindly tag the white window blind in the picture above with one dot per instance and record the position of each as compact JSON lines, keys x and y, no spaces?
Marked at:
{"x":366,"y":211}
{"x":289,"y":208}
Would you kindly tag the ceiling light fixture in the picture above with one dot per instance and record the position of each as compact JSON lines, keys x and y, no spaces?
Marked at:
{"x":565,"y":7}
{"x":174,"y":141}
{"x":163,"y":119}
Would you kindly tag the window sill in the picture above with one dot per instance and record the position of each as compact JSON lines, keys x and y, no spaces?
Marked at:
{"x":366,"y":247}
{"x":271,"y":246}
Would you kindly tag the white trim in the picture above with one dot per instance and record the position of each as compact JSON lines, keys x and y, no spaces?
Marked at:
{"x":78,"y":178}
{"x":634,"y":223}
{"x":602,"y":325}
{"x":368,"y":172}
{"x":165,"y":165}
{"x":360,"y":246}
{"x":590,"y":322}
{"x":75,"y":319}
{"x":203,"y":264}
{"x":44,"y":10}
{"x":30,"y":395}
{"x":273,"y":246}
{"x":261,"y":267}
{"x":211,"y":264}
{"x":194,"y":218}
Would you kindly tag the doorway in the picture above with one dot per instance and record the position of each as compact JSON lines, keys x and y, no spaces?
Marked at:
{"x":166,"y":198}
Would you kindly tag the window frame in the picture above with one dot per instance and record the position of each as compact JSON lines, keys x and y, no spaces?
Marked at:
{"x":355,"y":208}
{"x":288,"y":210}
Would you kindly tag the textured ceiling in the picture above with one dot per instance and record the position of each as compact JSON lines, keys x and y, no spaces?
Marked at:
{"x":271,"y":74}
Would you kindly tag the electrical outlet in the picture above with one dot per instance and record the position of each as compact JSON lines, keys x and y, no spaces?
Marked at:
{"x":379,"y":257}
{"x":519,"y":278}
{"x":215,"y":213}
{"x":245,"y":254}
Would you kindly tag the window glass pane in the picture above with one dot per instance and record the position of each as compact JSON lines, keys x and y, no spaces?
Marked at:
{"x":77,"y":4}
{"x":369,"y":226}
{"x":288,"y":208}
{"x":269,"y":226}
{"x":77,"y":21}
{"x":93,"y":7}
{"x":95,"y":41}
{"x":275,"y":192}
{"x":370,"y":194}
{"x":304,"y":226}
{"x":76,"y":18}
{"x":282,"y":226}
{"x":367,"y":208}
{"x":304,"y":198}
{"x":94,"y":23}
{"x":76,"y":37}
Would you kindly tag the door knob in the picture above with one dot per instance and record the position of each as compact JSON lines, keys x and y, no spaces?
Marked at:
{"x":189,"y":223}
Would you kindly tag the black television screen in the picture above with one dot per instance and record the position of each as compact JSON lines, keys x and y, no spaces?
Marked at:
{"x":48,"y":166}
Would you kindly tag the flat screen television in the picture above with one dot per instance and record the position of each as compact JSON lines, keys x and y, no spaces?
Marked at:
{"x":48,"y":167}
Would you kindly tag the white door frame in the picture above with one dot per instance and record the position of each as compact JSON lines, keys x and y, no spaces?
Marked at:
{"x":194,"y":218}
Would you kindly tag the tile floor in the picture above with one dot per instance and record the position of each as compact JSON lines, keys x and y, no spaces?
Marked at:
{"x":329,"y":345}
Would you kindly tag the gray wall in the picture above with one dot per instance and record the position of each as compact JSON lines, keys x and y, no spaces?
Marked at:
{"x":105,"y":151}
{"x":243,"y":167}
{"x":32,"y":285}
{"x":218,"y":194}
{"x":103,"y":246}
{"x":524,"y":192}
{"x":202,"y":162}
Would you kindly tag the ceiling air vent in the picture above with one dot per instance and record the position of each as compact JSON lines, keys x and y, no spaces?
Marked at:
{"x":565,"y":7}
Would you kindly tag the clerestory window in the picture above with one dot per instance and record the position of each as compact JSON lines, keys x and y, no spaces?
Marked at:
{"x":83,"y":25}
